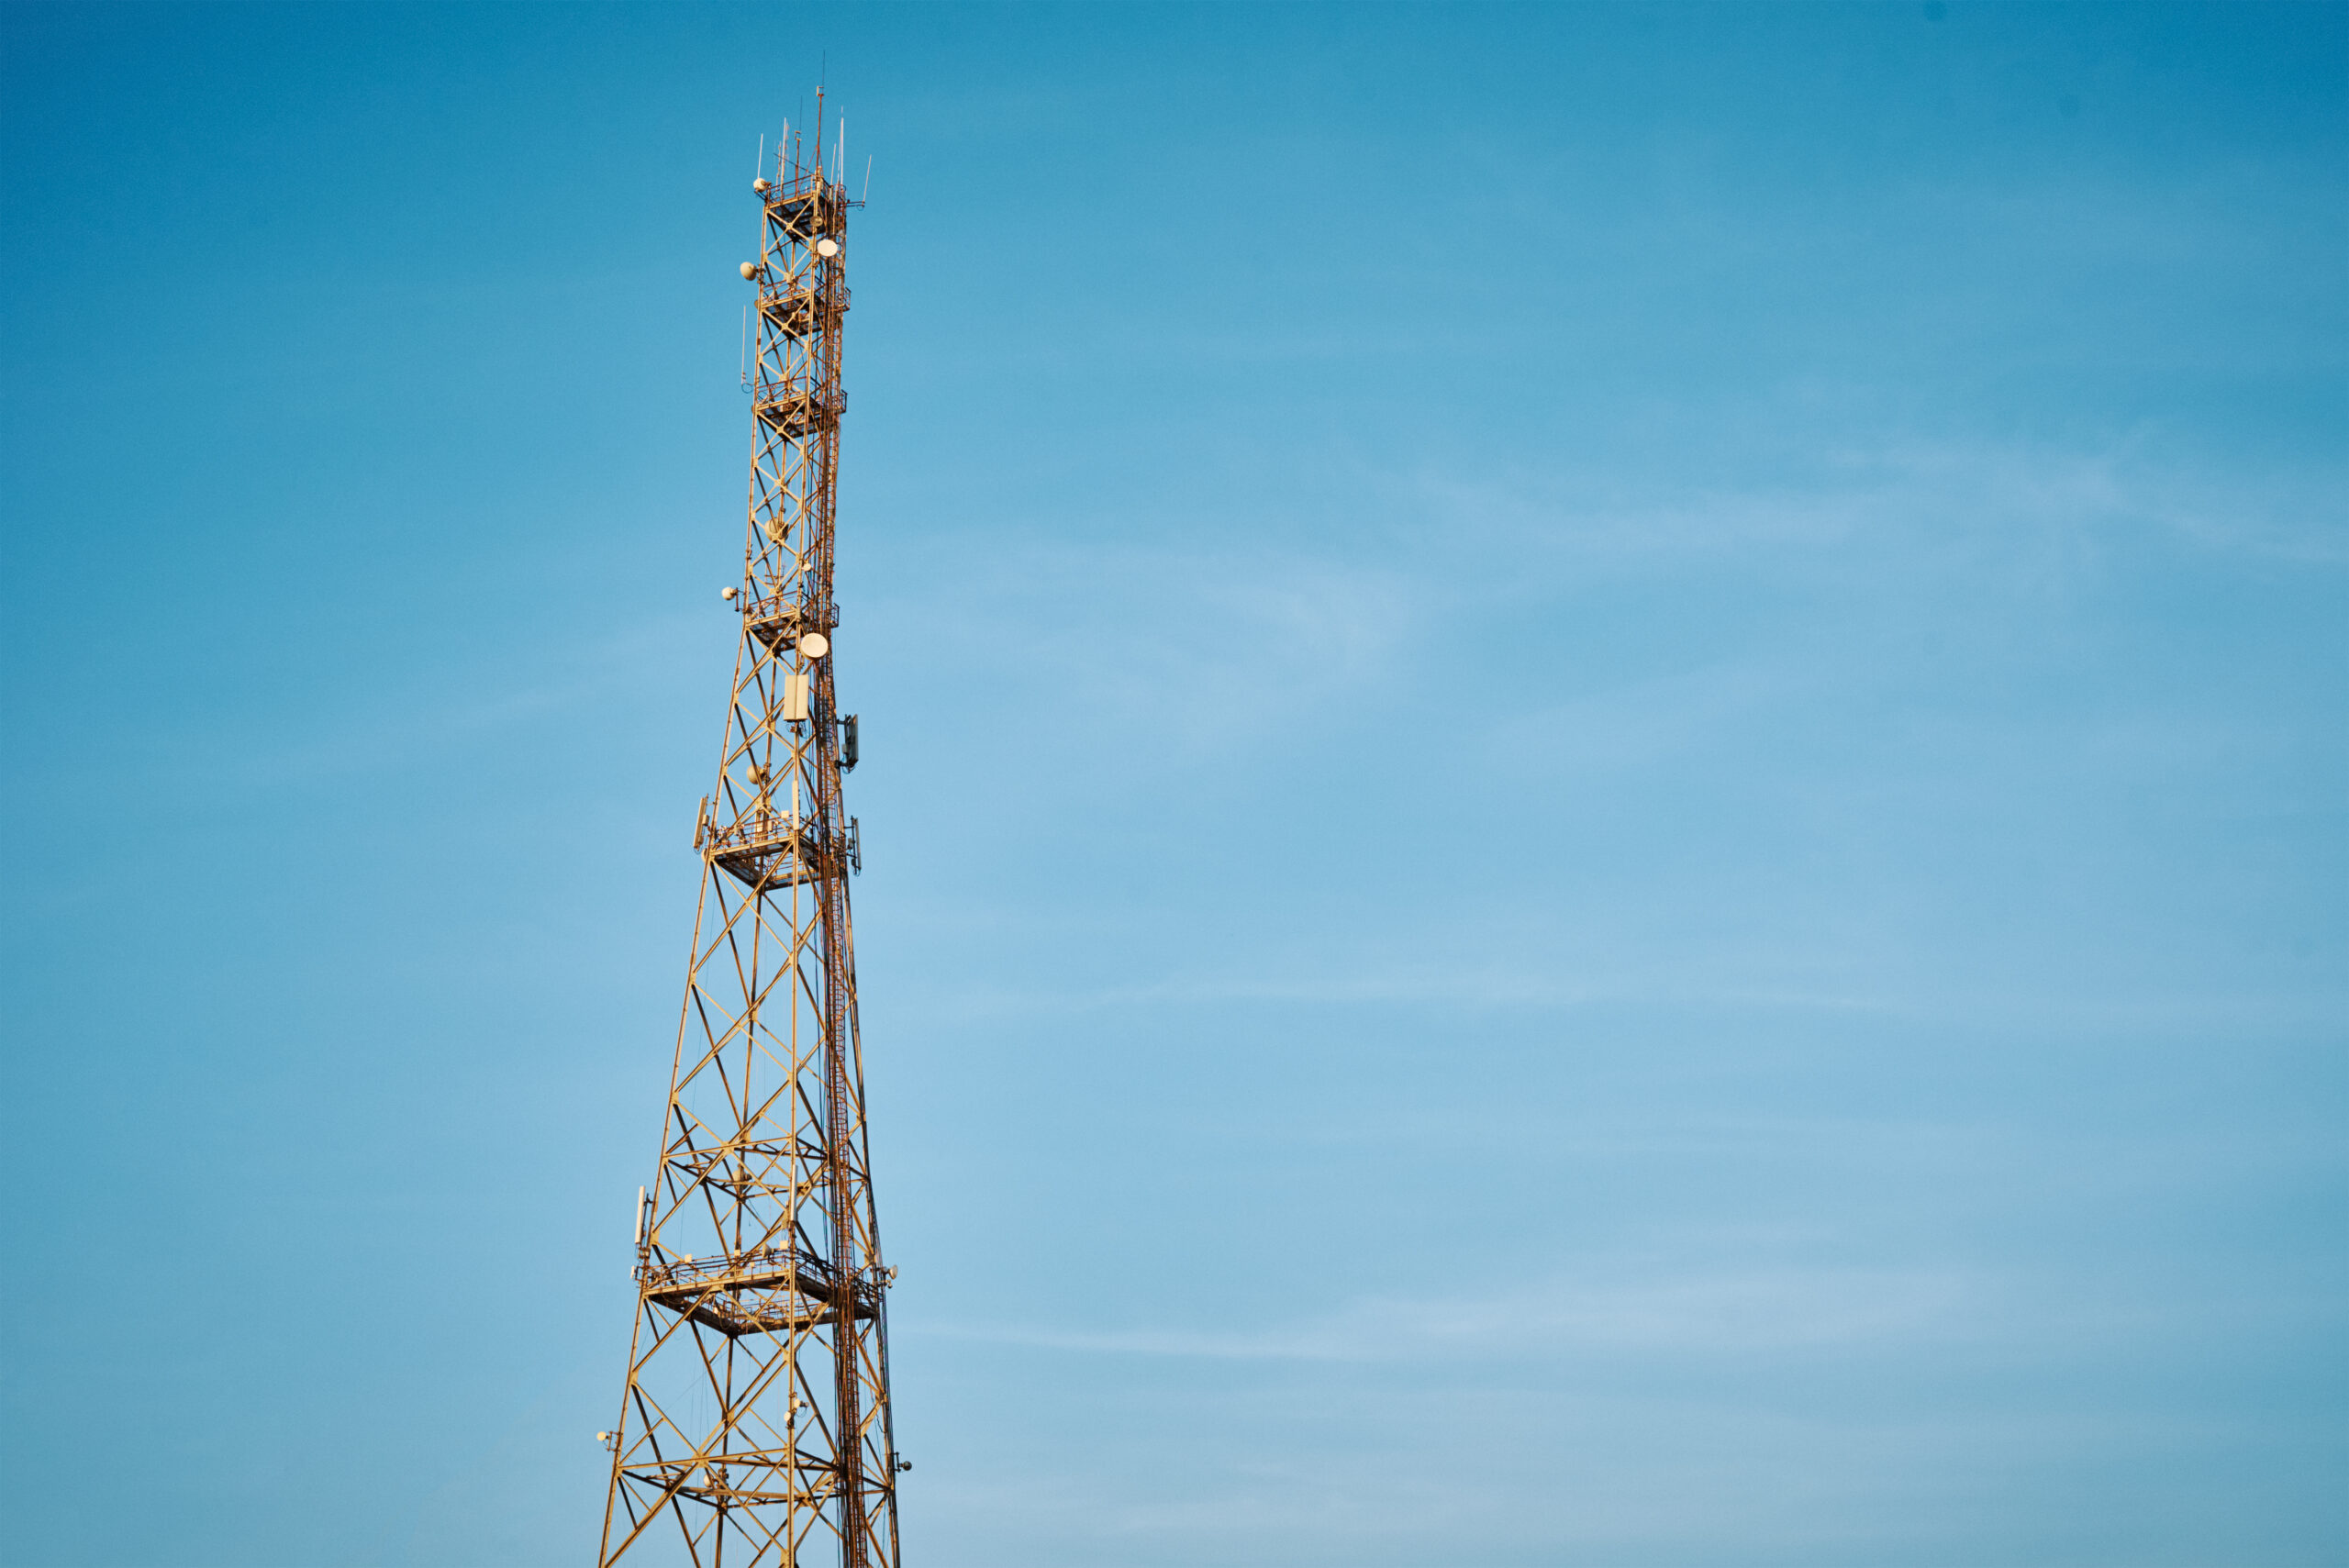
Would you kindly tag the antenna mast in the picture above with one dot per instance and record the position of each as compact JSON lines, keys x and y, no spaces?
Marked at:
{"x":755,"y":1425}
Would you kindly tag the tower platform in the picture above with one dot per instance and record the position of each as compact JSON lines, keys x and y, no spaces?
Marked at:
{"x":770,"y":851}
{"x":769,"y":1290}
{"x":795,"y":408}
{"x":802,"y":313}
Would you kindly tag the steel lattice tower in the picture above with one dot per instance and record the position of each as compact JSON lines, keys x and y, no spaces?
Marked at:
{"x":755,"y":1425}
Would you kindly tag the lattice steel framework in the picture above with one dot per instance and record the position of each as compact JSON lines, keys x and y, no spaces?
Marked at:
{"x":755,"y":1425}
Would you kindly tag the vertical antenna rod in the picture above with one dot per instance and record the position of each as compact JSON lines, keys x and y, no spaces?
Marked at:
{"x":755,"y":1428}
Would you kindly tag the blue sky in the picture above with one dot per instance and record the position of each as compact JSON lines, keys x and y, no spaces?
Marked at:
{"x":1603,"y":769}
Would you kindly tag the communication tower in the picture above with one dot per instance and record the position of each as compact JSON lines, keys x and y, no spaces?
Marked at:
{"x":755,"y":1428}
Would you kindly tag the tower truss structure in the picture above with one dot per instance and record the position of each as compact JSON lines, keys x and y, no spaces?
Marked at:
{"x":755,"y":1425}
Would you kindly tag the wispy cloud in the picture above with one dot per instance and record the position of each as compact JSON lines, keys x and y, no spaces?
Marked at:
{"x":1621,"y":1307}
{"x":2031,"y":504}
{"x":1161,"y":657}
{"x":1787,"y":975}
{"x":425,"y":718}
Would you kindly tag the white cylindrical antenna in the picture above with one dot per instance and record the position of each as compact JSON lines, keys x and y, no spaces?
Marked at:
{"x":868,"y":180}
{"x":759,"y":164}
{"x":638,"y":1240}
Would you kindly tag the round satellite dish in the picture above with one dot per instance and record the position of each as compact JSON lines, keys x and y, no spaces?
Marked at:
{"x":828,"y":248}
{"x":750,"y":271}
{"x":815,"y":645}
{"x":760,"y":186}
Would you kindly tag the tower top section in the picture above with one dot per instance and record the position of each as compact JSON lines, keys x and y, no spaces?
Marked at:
{"x":803,"y":175}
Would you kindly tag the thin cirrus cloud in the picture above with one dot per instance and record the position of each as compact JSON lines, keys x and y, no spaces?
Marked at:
{"x":2013,"y":508}
{"x":1623,"y":1309}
